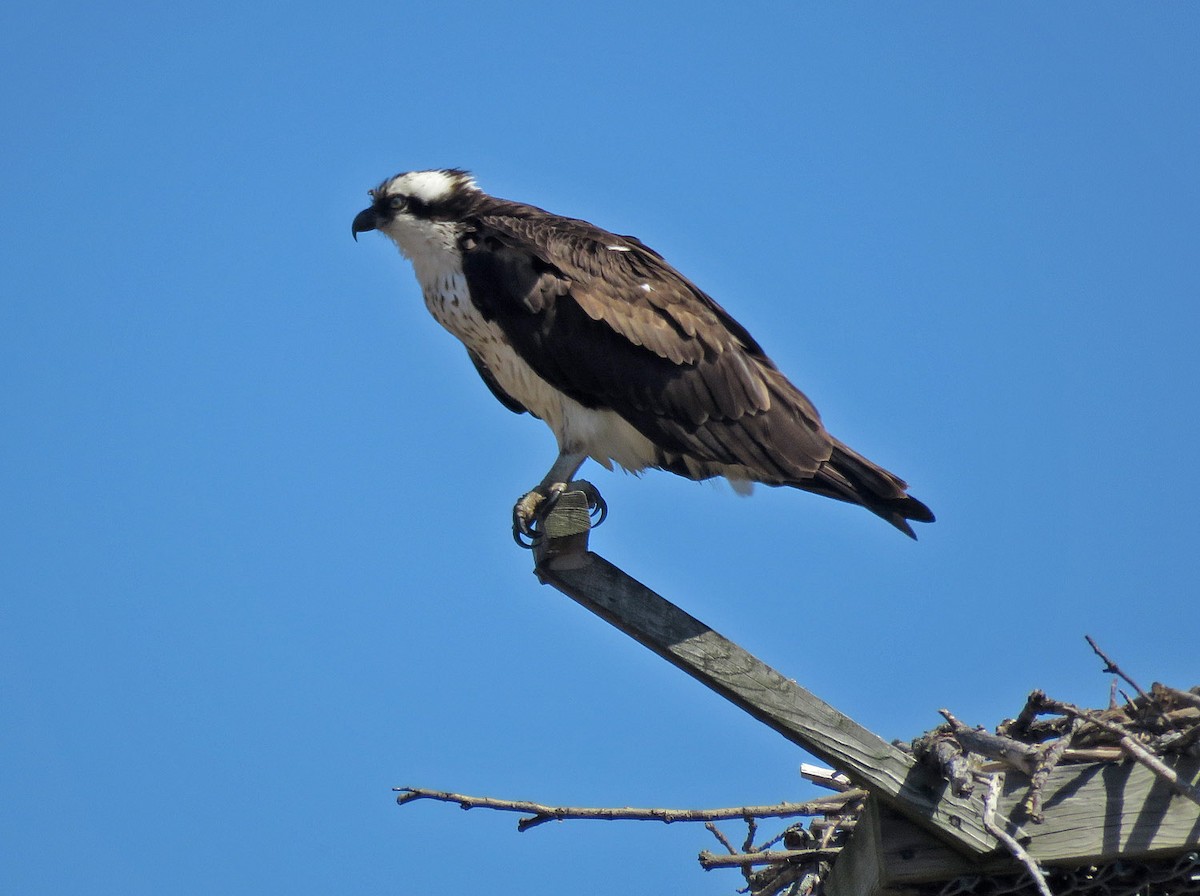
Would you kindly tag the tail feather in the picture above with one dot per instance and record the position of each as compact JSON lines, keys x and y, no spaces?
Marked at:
{"x":848,"y":476}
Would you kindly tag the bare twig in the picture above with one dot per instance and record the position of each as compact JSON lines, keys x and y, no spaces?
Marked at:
{"x":784,"y":835}
{"x":710,"y":860}
{"x":1018,"y":851}
{"x":792,"y":878}
{"x":947,"y":754}
{"x":1019,"y":727}
{"x":1049,"y":757}
{"x":1150,"y":700}
{"x":1111,"y":668}
{"x":1093,"y":754}
{"x":1131,"y":709}
{"x":720,"y":835}
{"x":828,"y":832}
{"x":1184,"y":742}
{"x":751,"y":831}
{"x":1020,"y":756}
{"x":540,"y":814}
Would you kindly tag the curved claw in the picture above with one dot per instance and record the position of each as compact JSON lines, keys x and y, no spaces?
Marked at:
{"x":521,"y":532}
{"x":599,"y":512}
{"x":525,"y":528}
{"x":522,"y":525}
{"x":597,"y":506}
{"x":547,"y":506}
{"x":528,"y":511}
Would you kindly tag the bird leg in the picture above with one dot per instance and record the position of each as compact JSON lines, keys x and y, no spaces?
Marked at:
{"x":536,"y":505}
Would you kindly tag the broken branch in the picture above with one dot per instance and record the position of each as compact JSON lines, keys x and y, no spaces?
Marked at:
{"x":1020,"y":756}
{"x":1049,"y":757}
{"x":1112,"y":668}
{"x":540,"y":814}
{"x":1017,"y":850}
{"x":709,"y":860}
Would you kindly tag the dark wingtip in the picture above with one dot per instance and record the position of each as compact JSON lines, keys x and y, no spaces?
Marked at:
{"x":917,"y":511}
{"x":901,"y":510}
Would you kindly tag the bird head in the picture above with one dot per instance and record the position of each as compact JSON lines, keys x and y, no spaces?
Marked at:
{"x":414,"y":207}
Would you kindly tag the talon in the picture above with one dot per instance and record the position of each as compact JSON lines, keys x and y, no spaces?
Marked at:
{"x":597,"y":506}
{"x":533,"y":507}
{"x":536,"y":505}
{"x":522,"y":530}
{"x":548,"y":504}
{"x":524,"y":519}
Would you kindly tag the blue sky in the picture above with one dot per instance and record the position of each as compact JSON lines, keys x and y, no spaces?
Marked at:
{"x":255,"y":568}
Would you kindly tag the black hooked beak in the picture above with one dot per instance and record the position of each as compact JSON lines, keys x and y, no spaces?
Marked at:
{"x":363,"y":221}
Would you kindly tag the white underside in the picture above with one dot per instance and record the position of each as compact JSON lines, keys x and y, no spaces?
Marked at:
{"x":601,"y":435}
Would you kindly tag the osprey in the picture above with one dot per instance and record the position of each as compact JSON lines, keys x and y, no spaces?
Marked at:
{"x":625,"y":359}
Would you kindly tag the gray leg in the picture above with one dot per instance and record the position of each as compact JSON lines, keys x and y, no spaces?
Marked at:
{"x":566,"y":465}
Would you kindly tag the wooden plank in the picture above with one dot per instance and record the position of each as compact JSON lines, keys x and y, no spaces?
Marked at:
{"x":778,"y":702}
{"x":1109,"y":810}
{"x":857,"y":871}
{"x":1095,"y":812}
{"x":908,"y":855}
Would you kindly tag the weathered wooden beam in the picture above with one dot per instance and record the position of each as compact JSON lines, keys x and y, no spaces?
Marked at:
{"x":1095,"y":812}
{"x":778,"y":702}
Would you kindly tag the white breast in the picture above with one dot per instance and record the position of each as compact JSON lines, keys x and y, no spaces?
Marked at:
{"x":603,"y":435}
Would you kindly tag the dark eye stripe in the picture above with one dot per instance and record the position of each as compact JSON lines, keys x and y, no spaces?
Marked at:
{"x":411,"y":204}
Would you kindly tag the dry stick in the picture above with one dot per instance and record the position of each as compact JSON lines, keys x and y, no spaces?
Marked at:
{"x":721,"y":838}
{"x":774,"y":878}
{"x":724,"y":841}
{"x":710,"y":860}
{"x":1046,"y":729}
{"x":1020,"y":756}
{"x":776,"y":839}
{"x":827,"y":834}
{"x":1130,"y":746}
{"x":1018,"y":851}
{"x":1111,"y":668}
{"x":540,"y":814}
{"x":1093,"y":754}
{"x":955,"y":768}
{"x":1049,"y":758}
{"x":806,"y":884}
{"x":1131,"y":707}
{"x":751,"y":831}
{"x":1019,"y":727}
{"x":1186,"y":739}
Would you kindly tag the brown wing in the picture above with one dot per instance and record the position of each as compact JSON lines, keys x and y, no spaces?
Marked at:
{"x":608,"y":322}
